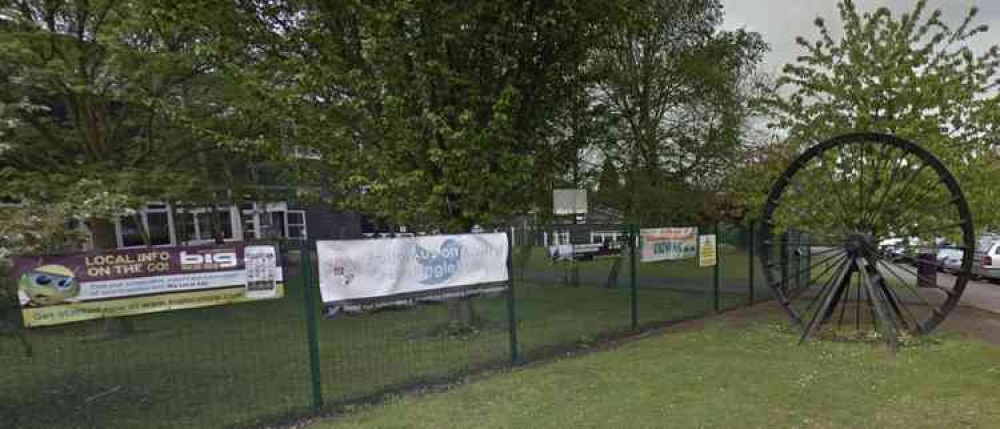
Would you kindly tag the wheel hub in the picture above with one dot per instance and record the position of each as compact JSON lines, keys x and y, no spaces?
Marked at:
{"x":859,"y":245}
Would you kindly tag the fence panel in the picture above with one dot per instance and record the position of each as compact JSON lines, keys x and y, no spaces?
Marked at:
{"x":209,"y":367}
{"x":243,"y":364}
{"x":566,"y":301}
{"x":734,"y":264}
{"x":371,"y":353}
{"x":673,"y":290}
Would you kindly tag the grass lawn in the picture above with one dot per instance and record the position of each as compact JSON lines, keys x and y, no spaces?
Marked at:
{"x":237,"y":364}
{"x":722,"y":376}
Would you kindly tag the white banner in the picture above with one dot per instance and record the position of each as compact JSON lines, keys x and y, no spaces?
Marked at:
{"x":359,"y":269}
{"x":663,"y":244}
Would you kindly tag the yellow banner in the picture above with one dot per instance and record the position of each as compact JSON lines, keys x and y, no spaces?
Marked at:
{"x":706,"y":250}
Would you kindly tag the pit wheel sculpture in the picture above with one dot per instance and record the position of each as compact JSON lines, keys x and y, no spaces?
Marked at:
{"x":848,"y":235}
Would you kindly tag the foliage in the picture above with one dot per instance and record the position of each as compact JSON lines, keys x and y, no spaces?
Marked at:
{"x":429,"y":112}
{"x":675,"y":83}
{"x":914,"y":76}
{"x":128,"y":93}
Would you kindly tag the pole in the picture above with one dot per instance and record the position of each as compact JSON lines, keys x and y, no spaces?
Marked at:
{"x":511,"y":304}
{"x":312,"y":336}
{"x":632,"y":241}
{"x":750,"y":250}
{"x":715,"y":275}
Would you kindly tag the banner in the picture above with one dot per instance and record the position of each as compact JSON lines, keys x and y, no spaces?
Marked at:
{"x":94,"y":285}
{"x":359,"y":274}
{"x":663,"y":244}
{"x":706,"y":251}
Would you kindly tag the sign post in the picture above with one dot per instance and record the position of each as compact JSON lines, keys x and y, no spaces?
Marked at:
{"x":515,"y":355}
{"x":708,"y":257}
{"x":633,"y":237}
{"x":312,"y":334}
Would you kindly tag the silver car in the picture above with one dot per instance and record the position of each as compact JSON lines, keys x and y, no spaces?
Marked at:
{"x":949,"y":260}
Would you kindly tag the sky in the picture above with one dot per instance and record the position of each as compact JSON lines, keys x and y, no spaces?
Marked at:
{"x":780,"y":21}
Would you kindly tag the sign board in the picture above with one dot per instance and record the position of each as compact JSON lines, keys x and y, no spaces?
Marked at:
{"x":360,"y":274}
{"x":82,"y":286}
{"x":569,"y":201}
{"x":665,"y":244}
{"x":706,"y":251}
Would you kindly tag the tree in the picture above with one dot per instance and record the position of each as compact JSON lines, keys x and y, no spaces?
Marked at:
{"x":131,"y":94}
{"x":436,"y":110}
{"x":431,"y":114}
{"x":674,"y":81}
{"x":121,"y":94}
{"x":914,"y":76}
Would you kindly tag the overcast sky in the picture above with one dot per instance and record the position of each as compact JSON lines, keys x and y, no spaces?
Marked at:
{"x":780,"y":21}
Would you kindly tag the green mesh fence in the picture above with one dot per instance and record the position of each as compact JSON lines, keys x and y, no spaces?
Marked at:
{"x":250,"y":364}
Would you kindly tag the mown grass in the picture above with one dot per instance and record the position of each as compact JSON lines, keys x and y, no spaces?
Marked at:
{"x":722,"y":377}
{"x":241,"y":364}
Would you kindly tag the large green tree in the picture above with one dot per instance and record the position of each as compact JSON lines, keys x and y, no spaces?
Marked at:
{"x":433,"y":113}
{"x":674,"y":81}
{"x":129,"y":94}
{"x":914,"y":75}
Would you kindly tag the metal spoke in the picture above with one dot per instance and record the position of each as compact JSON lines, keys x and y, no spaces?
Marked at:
{"x":905,"y":283}
{"x":880,"y":311}
{"x":841,"y":265}
{"x":881,"y":215}
{"x":828,"y":298}
{"x":827,"y":217}
{"x":795,"y":293}
{"x":892,"y":181}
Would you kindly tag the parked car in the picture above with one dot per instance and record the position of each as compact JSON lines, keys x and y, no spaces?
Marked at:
{"x":894,"y":253}
{"x":949,"y":260}
{"x":987,"y":265}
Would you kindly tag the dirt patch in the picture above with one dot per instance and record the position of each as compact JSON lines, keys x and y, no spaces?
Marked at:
{"x":736,"y":318}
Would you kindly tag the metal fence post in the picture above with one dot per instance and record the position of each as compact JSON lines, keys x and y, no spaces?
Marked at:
{"x":511,"y":304}
{"x":632,"y":242}
{"x":750,"y":251}
{"x":715,"y":274}
{"x":312,"y":336}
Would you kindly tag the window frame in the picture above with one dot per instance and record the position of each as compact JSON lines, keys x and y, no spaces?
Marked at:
{"x":303,"y":225}
{"x":152,"y":207}
{"x":235,"y":222}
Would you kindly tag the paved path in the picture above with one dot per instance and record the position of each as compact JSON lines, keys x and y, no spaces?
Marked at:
{"x":982,"y":295}
{"x":978,"y":294}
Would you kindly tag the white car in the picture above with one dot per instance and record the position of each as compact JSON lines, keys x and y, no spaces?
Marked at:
{"x":949,"y":260}
{"x":988,"y":266}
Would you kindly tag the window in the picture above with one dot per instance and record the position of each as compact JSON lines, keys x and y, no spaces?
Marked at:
{"x":130,"y":234}
{"x":200,"y":225}
{"x":153,"y":220}
{"x":296,"y":224}
{"x":277,"y":224}
{"x":158,"y":224}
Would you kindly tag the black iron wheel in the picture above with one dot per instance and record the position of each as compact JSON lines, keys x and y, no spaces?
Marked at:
{"x":851,"y":236}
